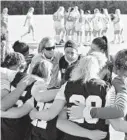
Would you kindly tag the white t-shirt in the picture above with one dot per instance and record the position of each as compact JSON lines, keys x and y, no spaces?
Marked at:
{"x":7,"y":77}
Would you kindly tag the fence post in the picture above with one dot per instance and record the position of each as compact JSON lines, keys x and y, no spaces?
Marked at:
{"x":43,"y":6}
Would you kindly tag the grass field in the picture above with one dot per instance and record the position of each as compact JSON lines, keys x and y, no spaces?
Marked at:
{"x":44,"y":27}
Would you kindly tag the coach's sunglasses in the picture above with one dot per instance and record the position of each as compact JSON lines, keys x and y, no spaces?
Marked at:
{"x":50,"y":48}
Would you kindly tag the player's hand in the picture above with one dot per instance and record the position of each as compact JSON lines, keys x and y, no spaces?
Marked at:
{"x":97,"y":135}
{"x":26,"y":81}
{"x":32,"y":114}
{"x":76,"y":111}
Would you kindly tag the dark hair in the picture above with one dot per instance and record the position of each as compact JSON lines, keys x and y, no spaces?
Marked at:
{"x":102,"y":43}
{"x":13,"y":59}
{"x":72,"y":8}
{"x":71,"y":44}
{"x":21,"y":47}
{"x":88,"y":12}
{"x":102,"y":10}
{"x":112,"y":16}
{"x":41,"y":69}
{"x":121,"y":60}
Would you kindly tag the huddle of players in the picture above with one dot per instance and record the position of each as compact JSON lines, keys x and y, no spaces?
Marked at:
{"x":73,"y":23}
{"x":25,"y":95}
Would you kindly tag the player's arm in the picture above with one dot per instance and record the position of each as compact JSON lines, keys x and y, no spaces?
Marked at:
{"x":18,"y":112}
{"x":9,"y":99}
{"x":42,"y":95}
{"x":118,"y":109}
{"x":54,"y":110}
{"x":50,"y":113}
{"x":73,"y":129}
{"x":119,"y":125}
{"x":26,"y":20}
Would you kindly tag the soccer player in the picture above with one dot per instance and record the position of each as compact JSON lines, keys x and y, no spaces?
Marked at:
{"x":79,"y":24}
{"x":47,"y":50}
{"x":118,"y":27}
{"x":29,"y":21}
{"x":4,"y":16}
{"x":11,"y":91}
{"x":23,"y":48}
{"x":88,"y":27}
{"x":58,"y":18}
{"x":119,"y":108}
{"x":41,"y":129}
{"x":70,"y":22}
{"x":97,"y":23}
{"x":105,"y":21}
{"x":69,"y":60}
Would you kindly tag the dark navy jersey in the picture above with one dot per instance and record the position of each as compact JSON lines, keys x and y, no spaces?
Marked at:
{"x":15,"y":129}
{"x":43,"y":129}
{"x":92,"y":93}
{"x":65,"y":68}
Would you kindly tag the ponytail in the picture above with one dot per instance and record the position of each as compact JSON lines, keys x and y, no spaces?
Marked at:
{"x":106,"y":47}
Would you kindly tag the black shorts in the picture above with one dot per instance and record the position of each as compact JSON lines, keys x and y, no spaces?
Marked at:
{"x":36,"y":133}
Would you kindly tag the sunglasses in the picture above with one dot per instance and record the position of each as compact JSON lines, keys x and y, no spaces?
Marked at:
{"x":50,"y":48}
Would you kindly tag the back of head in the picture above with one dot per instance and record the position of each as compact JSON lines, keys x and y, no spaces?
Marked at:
{"x":42,"y":69}
{"x":121,"y":60}
{"x":14,"y":59}
{"x":21,"y":47}
{"x":87,"y":69}
{"x":102,"y":43}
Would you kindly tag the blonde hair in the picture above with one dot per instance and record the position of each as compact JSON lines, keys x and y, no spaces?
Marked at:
{"x":118,"y":12}
{"x":88,"y":68}
{"x":43,"y":42}
{"x":42,"y":69}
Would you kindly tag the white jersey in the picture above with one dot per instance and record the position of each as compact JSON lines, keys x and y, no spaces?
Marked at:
{"x":97,"y":22}
{"x":29,"y":18}
{"x":4,"y":18}
{"x":79,"y":25}
{"x":70,"y":19}
{"x":105,"y":21}
{"x":88,"y":23}
{"x":118,"y":25}
{"x":58,"y":20}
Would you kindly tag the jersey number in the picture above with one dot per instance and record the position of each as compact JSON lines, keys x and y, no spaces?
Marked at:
{"x":41,"y":123}
{"x":90,"y":101}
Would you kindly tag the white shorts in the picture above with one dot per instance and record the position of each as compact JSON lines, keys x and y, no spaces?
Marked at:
{"x":88,"y":27}
{"x":79,"y":27}
{"x":69,"y":25}
{"x":58,"y":25}
{"x":118,"y":26}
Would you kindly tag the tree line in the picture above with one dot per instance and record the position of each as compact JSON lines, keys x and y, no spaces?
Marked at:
{"x":49,"y":7}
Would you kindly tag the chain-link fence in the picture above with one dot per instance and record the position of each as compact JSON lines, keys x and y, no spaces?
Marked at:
{"x":49,"y":7}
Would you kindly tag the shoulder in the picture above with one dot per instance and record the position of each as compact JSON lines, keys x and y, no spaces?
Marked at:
{"x":96,"y":85}
{"x":119,"y":84}
{"x":7,"y":74}
{"x":37,"y":57}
